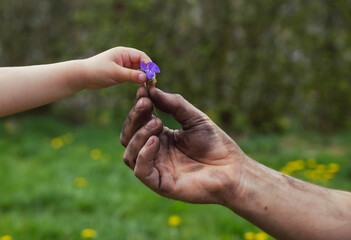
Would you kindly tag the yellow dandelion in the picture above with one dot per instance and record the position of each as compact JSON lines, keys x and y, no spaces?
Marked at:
{"x":290,"y":166}
{"x":320,"y":168}
{"x":294,"y":166}
{"x":68,"y":138}
{"x":56,"y":143}
{"x":95,"y":154}
{"x":88,"y":233}
{"x":6,"y":237}
{"x":80,"y":182}
{"x":312,"y":163}
{"x":300,"y":164}
{"x":261,"y":236}
{"x":249,"y":236}
{"x":333,"y":167}
{"x":174,"y":221}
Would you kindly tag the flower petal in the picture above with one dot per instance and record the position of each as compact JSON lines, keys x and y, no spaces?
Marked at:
{"x":143,"y":66}
{"x":150,"y":75}
{"x":153,"y":67}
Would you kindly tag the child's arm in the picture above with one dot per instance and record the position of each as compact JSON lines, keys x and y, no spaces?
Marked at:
{"x":23,"y":88}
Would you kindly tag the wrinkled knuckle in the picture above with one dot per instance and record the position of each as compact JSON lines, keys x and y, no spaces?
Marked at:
{"x":158,"y":121}
{"x":179,"y":97}
{"x":159,"y":125}
{"x":137,"y":137}
{"x":133,"y":74}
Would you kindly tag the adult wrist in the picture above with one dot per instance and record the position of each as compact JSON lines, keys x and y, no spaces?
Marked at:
{"x":256,"y":192}
{"x":233,"y":176}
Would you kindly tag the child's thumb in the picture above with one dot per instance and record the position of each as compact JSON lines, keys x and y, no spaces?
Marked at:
{"x":130,"y":75}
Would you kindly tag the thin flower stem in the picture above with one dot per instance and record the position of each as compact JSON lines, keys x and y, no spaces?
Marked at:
{"x":148,"y":85}
{"x":155,"y":111}
{"x":150,"y":81}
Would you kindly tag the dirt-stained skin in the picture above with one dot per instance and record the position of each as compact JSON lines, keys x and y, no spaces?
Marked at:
{"x":199,"y":153}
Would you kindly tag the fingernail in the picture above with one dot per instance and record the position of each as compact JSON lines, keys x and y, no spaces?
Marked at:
{"x":150,"y":142}
{"x":151,"y":124}
{"x":142,"y":77}
{"x":139,"y":104}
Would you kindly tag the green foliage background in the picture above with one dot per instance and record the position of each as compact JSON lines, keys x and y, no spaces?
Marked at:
{"x":249,"y":64}
{"x":252,"y":66}
{"x":39,"y":199}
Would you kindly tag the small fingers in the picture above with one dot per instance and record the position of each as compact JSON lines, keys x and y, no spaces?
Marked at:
{"x":136,"y":57}
{"x":128,"y":64}
{"x":130,"y":57}
{"x":153,"y":127}
{"x":144,"y":168}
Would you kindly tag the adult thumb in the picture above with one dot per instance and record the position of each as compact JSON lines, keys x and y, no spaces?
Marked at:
{"x":182,"y":111}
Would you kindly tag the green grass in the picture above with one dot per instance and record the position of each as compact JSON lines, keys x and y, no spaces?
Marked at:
{"x":38,"y":198}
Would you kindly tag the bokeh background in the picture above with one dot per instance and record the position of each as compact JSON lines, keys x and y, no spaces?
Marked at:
{"x":275,"y":75}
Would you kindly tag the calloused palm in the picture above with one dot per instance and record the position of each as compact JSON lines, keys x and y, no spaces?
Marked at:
{"x":191,"y":164}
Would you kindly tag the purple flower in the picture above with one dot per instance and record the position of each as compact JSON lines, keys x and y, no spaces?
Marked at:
{"x":150,"y":69}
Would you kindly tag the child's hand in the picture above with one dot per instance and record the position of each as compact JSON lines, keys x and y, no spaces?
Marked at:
{"x":23,"y":88}
{"x":114,"y":66}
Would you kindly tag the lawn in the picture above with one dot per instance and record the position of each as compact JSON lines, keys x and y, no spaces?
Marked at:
{"x":64,"y":181}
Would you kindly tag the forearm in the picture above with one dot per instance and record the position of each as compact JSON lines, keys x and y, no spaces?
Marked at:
{"x":288,"y":208}
{"x":23,"y":88}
